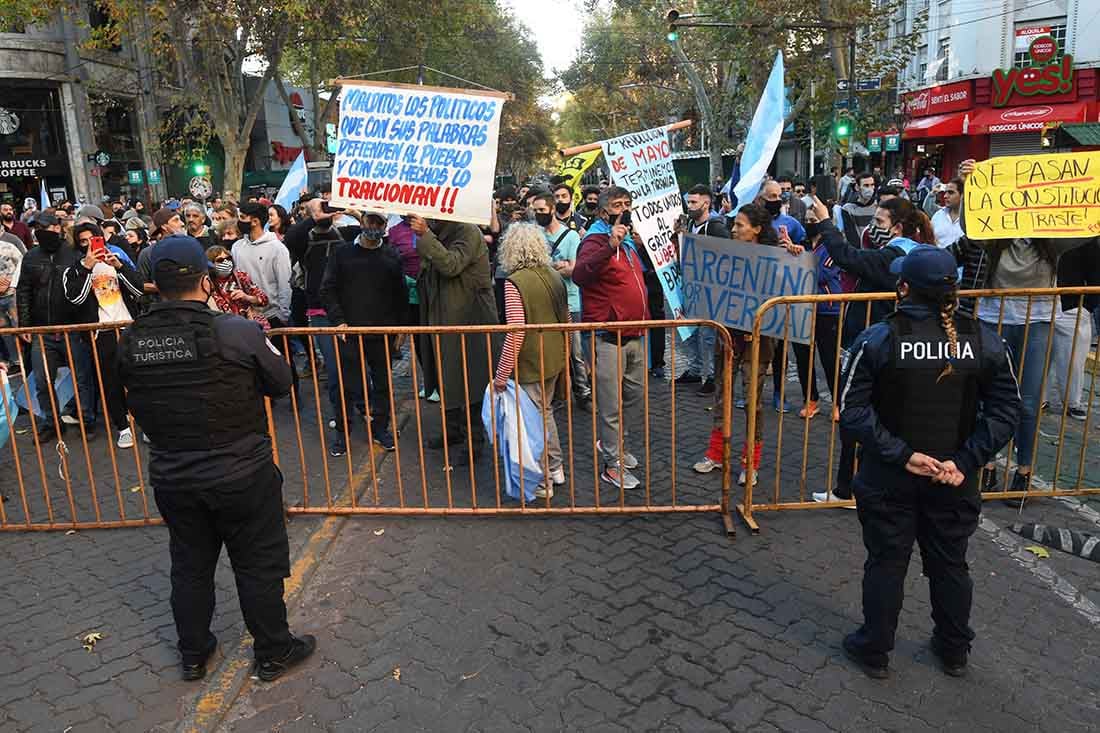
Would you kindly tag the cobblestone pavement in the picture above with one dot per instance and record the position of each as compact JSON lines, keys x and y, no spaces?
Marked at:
{"x":647,"y":623}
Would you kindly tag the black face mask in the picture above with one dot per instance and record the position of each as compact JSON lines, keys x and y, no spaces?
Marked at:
{"x":623,"y":218}
{"x":812,"y":229}
{"x":48,"y":240}
{"x":543,"y":220}
{"x":775,"y":208}
{"x":561,"y":207}
{"x":590,"y":206}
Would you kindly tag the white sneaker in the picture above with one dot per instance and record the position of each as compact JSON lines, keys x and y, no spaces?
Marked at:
{"x":629,"y":461}
{"x":821,"y":497}
{"x":743,"y":476}
{"x":70,"y":420}
{"x":125,"y":439}
{"x":544,"y":493}
{"x":145,"y":437}
{"x":434,"y":396}
{"x":557,"y":477}
{"x":706,"y":465}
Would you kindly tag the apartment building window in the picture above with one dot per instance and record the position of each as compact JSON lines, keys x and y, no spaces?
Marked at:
{"x":922,"y":61}
{"x":1027,"y":32}
{"x":943,"y":58}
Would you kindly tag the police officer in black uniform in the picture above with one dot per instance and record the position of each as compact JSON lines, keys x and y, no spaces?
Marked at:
{"x":910,"y":397}
{"x":196,"y":380}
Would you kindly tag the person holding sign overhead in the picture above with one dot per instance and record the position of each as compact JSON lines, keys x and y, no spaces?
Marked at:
{"x":910,"y":397}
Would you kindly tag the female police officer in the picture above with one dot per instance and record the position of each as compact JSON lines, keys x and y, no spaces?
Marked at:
{"x":910,"y":397}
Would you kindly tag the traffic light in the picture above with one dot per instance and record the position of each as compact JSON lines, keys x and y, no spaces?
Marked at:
{"x":842,"y":127}
{"x":200,"y":168}
{"x":673,"y":34}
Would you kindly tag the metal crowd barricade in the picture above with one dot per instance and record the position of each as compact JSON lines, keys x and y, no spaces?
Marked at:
{"x":81,"y":481}
{"x":821,"y":435}
{"x":465,"y":477}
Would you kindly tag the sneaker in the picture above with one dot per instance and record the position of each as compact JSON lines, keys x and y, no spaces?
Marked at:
{"x":1077,"y":413}
{"x":821,"y":497}
{"x":952,"y":664}
{"x":544,"y":493}
{"x":145,"y":437}
{"x":657,"y":373}
{"x":739,"y":403}
{"x":337,"y":447}
{"x":300,"y":650}
{"x":872,"y":668}
{"x":46,"y":431}
{"x":434,"y":396}
{"x":611,"y":476}
{"x":384,"y":439}
{"x":70,"y":419}
{"x":744,"y":477}
{"x":786,"y":407}
{"x":194,"y":670}
{"x":689,"y":377}
{"x":809,"y":410}
{"x":125,"y":439}
{"x":708,"y":386}
{"x":706,"y":465}
{"x":989,"y":480}
{"x":420,"y":394}
{"x":557,"y":477}
{"x":629,"y":461}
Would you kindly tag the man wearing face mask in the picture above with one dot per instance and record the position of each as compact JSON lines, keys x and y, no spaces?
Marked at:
{"x":196,"y":381}
{"x":792,"y":205}
{"x":40,"y":299}
{"x":611,"y":276}
{"x":364,"y":285}
{"x":854,"y":217}
{"x":13,"y":225}
{"x":563,"y":209}
{"x":590,"y":208}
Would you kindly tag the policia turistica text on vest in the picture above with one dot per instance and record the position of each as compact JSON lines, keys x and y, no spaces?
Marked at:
{"x":196,"y":380}
{"x":910,"y":398}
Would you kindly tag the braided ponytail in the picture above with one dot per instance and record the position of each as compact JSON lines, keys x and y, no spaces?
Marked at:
{"x":948,"y":305}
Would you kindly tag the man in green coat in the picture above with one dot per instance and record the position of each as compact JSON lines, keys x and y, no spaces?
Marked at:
{"x":456,"y":289}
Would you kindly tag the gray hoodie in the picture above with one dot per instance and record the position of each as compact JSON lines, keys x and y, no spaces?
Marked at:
{"x":267,"y":262}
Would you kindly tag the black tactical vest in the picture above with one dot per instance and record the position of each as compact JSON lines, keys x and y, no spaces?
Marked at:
{"x":181,"y":390}
{"x":934,"y":416}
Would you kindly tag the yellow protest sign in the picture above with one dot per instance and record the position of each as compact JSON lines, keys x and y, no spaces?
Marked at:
{"x":1046,"y":195}
{"x":574,"y":167}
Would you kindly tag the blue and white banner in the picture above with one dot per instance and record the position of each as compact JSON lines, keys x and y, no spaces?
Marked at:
{"x":296,"y":179}
{"x":763,"y":136}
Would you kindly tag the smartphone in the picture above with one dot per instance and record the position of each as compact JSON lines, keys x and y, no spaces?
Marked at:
{"x":328,"y":208}
{"x":98,"y":246}
{"x":782,"y":231}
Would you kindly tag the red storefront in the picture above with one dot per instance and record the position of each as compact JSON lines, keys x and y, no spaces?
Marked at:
{"x":1006,"y":113}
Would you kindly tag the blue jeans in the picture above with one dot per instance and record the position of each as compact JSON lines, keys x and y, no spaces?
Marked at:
{"x":57,"y":356}
{"x":327,"y":345}
{"x":1034,"y":355}
{"x":700,"y":350}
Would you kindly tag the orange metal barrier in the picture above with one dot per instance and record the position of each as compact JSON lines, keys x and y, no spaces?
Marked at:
{"x":464,"y":477}
{"x":74,"y":493}
{"x":786,"y":493}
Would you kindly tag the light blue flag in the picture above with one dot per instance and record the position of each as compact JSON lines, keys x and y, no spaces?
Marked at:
{"x":296,"y":179}
{"x":43,"y":197}
{"x":763,"y":138}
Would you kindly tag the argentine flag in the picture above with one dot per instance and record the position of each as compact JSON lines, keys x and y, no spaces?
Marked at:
{"x":43,"y":197}
{"x":763,"y":137}
{"x":296,"y":179}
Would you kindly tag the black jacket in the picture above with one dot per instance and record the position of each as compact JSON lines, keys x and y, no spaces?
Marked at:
{"x":78,"y":287}
{"x":872,"y":267}
{"x":364,"y":287}
{"x":1077,"y":268}
{"x":40,"y":295}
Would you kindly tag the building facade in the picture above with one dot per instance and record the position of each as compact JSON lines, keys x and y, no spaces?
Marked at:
{"x":82,"y":121}
{"x":996,"y":78}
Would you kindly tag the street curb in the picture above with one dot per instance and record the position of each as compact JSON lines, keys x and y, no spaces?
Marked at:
{"x":221,"y":690}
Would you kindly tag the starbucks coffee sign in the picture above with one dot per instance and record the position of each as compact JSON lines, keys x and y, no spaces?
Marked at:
{"x":21,"y":167}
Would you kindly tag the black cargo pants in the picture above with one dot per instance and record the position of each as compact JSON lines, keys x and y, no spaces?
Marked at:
{"x":247,"y":517}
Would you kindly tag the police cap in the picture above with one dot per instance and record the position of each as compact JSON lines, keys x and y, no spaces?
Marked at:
{"x":177,"y":256}
{"x":927,"y":268}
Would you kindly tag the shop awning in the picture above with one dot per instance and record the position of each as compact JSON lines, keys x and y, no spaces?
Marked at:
{"x":987,"y":121}
{"x":949,"y":125}
{"x":1086,"y":133}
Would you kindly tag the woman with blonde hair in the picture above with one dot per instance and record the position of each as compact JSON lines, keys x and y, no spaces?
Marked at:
{"x":534,"y":293}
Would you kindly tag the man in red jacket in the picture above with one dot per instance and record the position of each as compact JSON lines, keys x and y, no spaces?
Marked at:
{"x":12,"y":224}
{"x":609,"y":272}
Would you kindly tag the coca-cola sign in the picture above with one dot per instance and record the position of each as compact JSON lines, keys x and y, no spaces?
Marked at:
{"x":1027,"y":113}
{"x":939,"y":99}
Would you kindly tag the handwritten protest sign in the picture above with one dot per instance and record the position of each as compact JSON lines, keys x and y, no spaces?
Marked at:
{"x":726,"y":281}
{"x":641,"y":162}
{"x":405,"y":149}
{"x":573,"y":169}
{"x":1047,"y":195}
